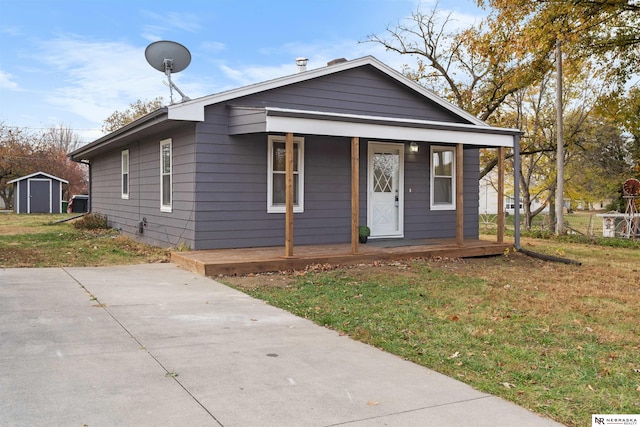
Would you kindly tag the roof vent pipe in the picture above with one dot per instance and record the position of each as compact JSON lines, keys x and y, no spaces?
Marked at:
{"x":336,"y":61}
{"x":301,"y":62}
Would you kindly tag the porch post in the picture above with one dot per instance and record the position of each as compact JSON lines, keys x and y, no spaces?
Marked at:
{"x":516,"y":191}
{"x":500,"y":194}
{"x":288,"y":245}
{"x":355,"y":192}
{"x":459,"y":196}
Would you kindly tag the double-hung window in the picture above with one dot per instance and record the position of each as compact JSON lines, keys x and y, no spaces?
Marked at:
{"x":166,"y":183}
{"x":443,"y":183}
{"x":125,"y":173}
{"x":276,"y":179}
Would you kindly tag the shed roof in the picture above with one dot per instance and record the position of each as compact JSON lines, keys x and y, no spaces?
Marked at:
{"x":38,"y":173}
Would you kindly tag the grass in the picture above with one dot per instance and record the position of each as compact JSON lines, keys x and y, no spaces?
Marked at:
{"x":38,"y":241}
{"x":561,"y":340}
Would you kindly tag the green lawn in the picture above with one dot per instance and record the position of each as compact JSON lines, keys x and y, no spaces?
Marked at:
{"x":38,"y":241}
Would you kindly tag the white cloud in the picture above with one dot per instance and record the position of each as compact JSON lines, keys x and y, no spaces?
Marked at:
{"x":96,"y":78}
{"x":319,"y":54}
{"x":6,"y":81}
{"x":169,"y":22}
{"x":213,"y":47}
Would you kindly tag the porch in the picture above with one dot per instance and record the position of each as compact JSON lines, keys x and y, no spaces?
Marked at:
{"x":259,"y":260}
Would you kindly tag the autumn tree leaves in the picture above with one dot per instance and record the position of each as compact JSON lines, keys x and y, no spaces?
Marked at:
{"x":502,"y":70}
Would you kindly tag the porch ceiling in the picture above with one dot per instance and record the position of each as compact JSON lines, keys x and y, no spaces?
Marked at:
{"x":246,"y":120}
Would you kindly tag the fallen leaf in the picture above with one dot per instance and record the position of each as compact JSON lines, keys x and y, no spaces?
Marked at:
{"x":590,"y":388}
{"x":508,"y":386}
{"x":454,"y":318}
{"x":454,"y":355}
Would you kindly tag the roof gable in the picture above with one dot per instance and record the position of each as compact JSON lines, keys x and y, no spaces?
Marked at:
{"x":36,"y":174}
{"x":362,"y":91}
{"x":194,"y":110}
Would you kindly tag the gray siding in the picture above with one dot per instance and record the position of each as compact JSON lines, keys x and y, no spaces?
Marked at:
{"x":166,"y":229}
{"x":363,"y":91}
{"x":232,"y":192}
{"x":420,"y":221}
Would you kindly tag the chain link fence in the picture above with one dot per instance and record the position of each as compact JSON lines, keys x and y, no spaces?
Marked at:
{"x":587,"y":224}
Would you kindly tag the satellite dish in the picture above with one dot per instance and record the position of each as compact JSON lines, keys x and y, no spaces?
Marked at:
{"x":168,"y":57}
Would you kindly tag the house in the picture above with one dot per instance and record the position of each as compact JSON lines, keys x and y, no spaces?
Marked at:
{"x":328,"y":149}
{"x":488,"y":198}
{"x":38,"y":193}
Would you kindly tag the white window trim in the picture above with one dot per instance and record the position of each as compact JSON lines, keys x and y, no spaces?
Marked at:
{"x":125,"y":154}
{"x":448,"y":206}
{"x":169,"y":207}
{"x":299,"y":208}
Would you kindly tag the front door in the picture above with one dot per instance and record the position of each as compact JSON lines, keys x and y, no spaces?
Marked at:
{"x":385,"y":184}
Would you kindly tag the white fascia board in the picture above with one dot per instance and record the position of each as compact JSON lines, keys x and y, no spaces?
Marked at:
{"x":38,"y":173}
{"x":389,"y":132}
{"x":187,"y":111}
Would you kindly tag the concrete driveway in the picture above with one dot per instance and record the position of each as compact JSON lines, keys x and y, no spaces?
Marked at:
{"x":159,"y":346}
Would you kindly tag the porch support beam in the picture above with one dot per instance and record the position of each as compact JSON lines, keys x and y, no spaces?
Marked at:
{"x":459,"y":195}
{"x":500,"y":194}
{"x":288,"y":245}
{"x":355,"y":193}
{"x":516,"y":191}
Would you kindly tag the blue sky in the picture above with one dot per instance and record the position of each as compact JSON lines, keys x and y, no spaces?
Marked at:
{"x":74,"y":63}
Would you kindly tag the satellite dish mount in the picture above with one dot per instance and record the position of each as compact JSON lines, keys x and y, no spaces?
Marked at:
{"x":169,"y":57}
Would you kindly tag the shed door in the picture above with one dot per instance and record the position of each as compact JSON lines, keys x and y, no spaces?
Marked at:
{"x":39,"y":195}
{"x":385,"y":205}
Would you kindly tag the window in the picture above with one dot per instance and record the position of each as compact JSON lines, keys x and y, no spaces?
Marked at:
{"x":276,"y":189}
{"x":125,"y":174}
{"x":165,"y":175}
{"x":511,"y":203}
{"x":443,"y":183}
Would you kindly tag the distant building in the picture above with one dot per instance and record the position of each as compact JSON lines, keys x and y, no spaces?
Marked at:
{"x":488,"y":203}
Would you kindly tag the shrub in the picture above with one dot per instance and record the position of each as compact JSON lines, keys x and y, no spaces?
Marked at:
{"x":91,"y":221}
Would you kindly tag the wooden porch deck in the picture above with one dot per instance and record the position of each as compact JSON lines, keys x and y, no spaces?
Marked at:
{"x":260,"y":260}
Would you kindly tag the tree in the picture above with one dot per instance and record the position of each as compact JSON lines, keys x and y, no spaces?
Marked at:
{"x":624,"y":108}
{"x":483,"y":67}
{"x":15,"y":155}
{"x":136,"y":110}
{"x":475,"y":68}
{"x":605,"y":30}
{"x":58,"y":142}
